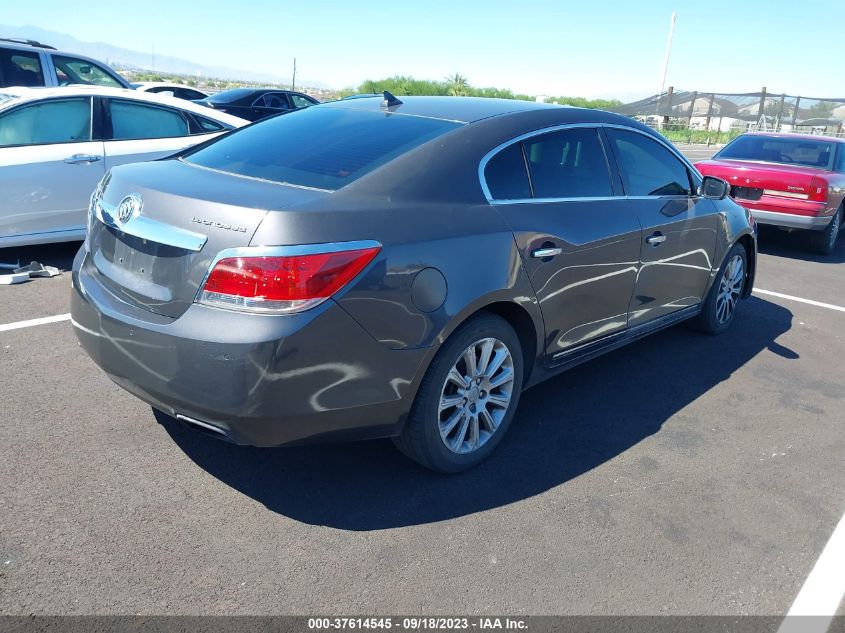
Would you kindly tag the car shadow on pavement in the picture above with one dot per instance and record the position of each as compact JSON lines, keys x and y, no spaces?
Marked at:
{"x":563,"y":428}
{"x":796,"y":245}
{"x":59,"y":255}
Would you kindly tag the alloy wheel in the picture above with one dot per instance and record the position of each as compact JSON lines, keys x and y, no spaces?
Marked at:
{"x":834,"y":230}
{"x":730,"y":288}
{"x":476,"y":395}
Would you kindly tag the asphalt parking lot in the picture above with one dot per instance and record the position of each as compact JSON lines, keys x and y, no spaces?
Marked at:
{"x":684,"y":474}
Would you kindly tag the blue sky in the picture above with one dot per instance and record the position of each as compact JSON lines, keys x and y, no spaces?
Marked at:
{"x":581,"y":48}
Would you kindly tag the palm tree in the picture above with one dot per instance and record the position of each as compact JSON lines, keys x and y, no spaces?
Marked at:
{"x":458,"y":85}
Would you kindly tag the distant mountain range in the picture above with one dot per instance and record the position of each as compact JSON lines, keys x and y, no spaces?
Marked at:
{"x":135,"y":60}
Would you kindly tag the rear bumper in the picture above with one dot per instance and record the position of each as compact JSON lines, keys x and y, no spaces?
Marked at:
{"x":792,"y":221}
{"x":793,"y":214}
{"x":256,"y":379}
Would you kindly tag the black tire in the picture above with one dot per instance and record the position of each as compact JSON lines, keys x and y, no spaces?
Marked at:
{"x":710,"y":320}
{"x":421,"y":438}
{"x":823,"y":242}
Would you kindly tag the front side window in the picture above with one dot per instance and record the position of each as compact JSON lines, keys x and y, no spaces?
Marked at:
{"x":71,"y":70}
{"x":506,"y":175}
{"x":300,"y":102}
{"x":143,"y":121}
{"x":48,"y":122}
{"x":323,"y":147}
{"x":20,"y":68}
{"x":647,"y":167}
{"x":568,"y":164}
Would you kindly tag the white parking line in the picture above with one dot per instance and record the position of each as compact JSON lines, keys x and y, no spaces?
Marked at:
{"x":64,"y":317}
{"x":822,"y":591}
{"x":32,"y":322}
{"x":819,"y":304}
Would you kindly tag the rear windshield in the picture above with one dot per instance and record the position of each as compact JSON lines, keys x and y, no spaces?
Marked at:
{"x":230,"y":96}
{"x":321,"y":147}
{"x":787,"y":151}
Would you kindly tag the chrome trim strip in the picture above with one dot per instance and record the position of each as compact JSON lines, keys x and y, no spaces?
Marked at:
{"x":542,"y":253}
{"x":791,"y":220}
{"x":548,"y":200}
{"x":151,"y":230}
{"x":584,"y":199}
{"x":283,"y":251}
{"x":205,"y":425}
{"x":555,"y":128}
{"x":786,"y":194}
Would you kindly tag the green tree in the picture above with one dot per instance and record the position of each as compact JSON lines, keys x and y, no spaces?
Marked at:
{"x":821,"y":110}
{"x":457,"y":85}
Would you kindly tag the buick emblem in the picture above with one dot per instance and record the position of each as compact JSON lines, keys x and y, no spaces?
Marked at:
{"x":128,"y":208}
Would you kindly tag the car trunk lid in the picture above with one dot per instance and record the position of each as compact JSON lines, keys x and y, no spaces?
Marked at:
{"x":164,"y":223}
{"x":751,"y":180}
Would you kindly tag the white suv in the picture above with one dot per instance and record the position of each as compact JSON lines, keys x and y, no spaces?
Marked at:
{"x":31,"y":64}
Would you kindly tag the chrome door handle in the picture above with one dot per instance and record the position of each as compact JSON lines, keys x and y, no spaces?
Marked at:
{"x":540,"y":253}
{"x":656,"y":239}
{"x":82,"y":158}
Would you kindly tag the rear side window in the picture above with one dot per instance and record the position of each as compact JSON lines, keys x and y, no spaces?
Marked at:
{"x":46,"y":123}
{"x":321,"y":147}
{"x":132,"y":121}
{"x":648,"y":168}
{"x":568,"y":164}
{"x":506,"y":175}
{"x":71,"y":70}
{"x":275,"y":101}
{"x":840,"y":158}
{"x":20,"y":68}
{"x":207,"y":125}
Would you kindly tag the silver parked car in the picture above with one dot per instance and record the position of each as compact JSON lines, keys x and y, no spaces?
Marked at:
{"x":33,"y":64}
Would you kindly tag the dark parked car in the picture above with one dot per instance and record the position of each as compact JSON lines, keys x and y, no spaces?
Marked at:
{"x":371,"y":268}
{"x":253,"y":104}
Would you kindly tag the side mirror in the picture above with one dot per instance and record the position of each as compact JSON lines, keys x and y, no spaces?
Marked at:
{"x":714,"y":188}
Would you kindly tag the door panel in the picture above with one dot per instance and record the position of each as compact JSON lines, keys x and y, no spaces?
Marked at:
{"x":674,"y":271}
{"x":679,"y":228}
{"x":584,"y":291}
{"x":40,"y":192}
{"x":579,"y":239}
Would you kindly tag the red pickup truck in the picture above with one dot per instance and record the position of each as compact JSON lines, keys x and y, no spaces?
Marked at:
{"x":793,"y":181}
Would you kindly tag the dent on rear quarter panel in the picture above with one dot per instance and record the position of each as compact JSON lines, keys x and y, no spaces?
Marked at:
{"x":479,"y":268}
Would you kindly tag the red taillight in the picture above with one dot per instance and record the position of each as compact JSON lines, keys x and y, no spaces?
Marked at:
{"x":282,"y":284}
{"x":818,"y":190}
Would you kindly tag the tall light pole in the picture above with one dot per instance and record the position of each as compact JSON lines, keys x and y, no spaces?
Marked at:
{"x":666,"y":58}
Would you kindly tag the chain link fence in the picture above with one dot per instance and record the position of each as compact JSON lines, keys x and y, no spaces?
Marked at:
{"x":707,"y":117}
